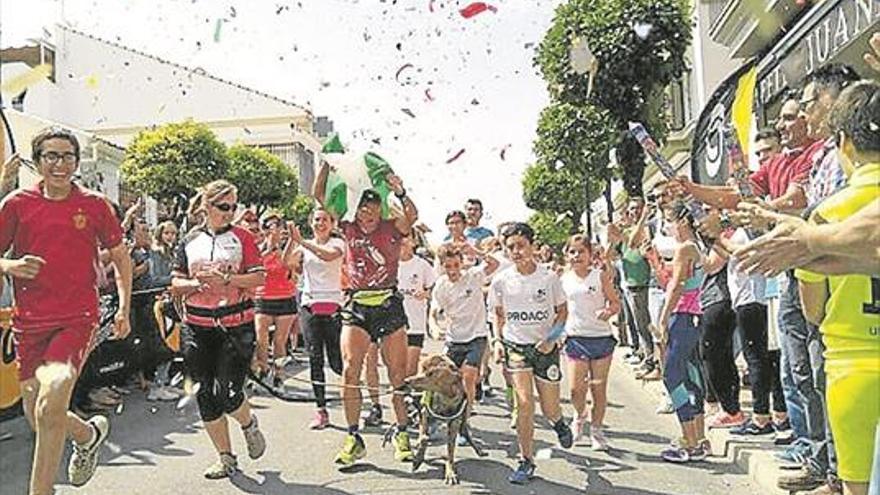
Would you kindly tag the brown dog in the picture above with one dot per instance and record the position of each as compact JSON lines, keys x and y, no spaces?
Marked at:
{"x":445,"y":400}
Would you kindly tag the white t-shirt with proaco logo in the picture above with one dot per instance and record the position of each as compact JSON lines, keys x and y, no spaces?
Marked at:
{"x":529,"y":303}
{"x":413,"y":276}
{"x":462,"y":305}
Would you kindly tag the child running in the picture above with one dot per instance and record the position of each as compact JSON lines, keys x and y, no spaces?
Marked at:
{"x":530,"y":313}
{"x":589,"y":343}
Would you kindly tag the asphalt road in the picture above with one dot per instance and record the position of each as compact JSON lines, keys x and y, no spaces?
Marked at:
{"x":155,"y":448}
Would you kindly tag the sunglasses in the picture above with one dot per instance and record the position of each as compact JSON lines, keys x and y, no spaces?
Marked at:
{"x":224,"y":207}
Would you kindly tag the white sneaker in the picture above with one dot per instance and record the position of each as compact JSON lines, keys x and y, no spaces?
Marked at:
{"x":223,"y":468}
{"x":161,"y":394}
{"x":256,"y":442}
{"x":598,"y":442}
{"x":84,"y":459}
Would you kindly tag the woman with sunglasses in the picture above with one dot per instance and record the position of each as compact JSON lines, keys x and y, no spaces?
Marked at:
{"x":275,"y":302}
{"x":216,"y":267}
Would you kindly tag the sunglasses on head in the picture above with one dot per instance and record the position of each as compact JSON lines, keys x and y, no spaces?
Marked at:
{"x":224,"y":207}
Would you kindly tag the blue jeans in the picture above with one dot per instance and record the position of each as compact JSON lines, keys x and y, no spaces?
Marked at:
{"x":802,"y":352}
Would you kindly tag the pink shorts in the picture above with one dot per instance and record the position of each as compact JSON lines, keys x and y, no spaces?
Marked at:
{"x":70,"y":343}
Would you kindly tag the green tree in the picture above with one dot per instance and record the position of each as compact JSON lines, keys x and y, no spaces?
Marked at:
{"x":169,"y":162}
{"x":263,"y":180}
{"x":640,"y":47}
{"x":552,"y":229}
{"x":575,"y":139}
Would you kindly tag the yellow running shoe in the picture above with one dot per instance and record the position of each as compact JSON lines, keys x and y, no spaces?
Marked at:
{"x":352,"y":449}
{"x":402,"y":450}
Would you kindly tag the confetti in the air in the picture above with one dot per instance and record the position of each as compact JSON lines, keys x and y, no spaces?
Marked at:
{"x":408,"y":112}
{"x":217,"y":27}
{"x":428,"y":95}
{"x":400,"y":71}
{"x":476,"y":8}
{"x":455,"y":156}
{"x":504,"y":151}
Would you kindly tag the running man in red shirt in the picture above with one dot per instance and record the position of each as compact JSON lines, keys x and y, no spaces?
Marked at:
{"x":55,"y":230}
{"x":374,"y":310}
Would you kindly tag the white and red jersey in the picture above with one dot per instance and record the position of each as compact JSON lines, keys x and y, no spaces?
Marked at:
{"x":232,"y":250}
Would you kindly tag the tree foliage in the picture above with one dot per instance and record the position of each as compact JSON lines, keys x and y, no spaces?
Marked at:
{"x":263,"y":180}
{"x":173,"y":160}
{"x":640,"y":47}
{"x":552,"y":229}
{"x":571,"y":147}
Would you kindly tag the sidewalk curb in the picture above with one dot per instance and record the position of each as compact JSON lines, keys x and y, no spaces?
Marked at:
{"x":753,"y":457}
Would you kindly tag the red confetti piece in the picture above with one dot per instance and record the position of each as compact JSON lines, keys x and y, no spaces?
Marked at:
{"x":428,"y":95}
{"x":431,"y":6}
{"x":455,"y":156}
{"x":476,"y":8}
{"x":504,"y":150}
{"x":400,"y":70}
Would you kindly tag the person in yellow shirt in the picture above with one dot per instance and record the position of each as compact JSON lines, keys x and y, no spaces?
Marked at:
{"x":847,"y":307}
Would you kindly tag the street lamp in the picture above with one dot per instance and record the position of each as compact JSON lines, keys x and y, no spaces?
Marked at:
{"x":583,"y":62}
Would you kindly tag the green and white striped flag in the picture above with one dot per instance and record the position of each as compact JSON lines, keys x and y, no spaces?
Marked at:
{"x":352,"y":175}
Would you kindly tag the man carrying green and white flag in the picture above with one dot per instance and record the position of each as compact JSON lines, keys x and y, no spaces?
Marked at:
{"x":350,"y":175}
{"x":373,"y":311}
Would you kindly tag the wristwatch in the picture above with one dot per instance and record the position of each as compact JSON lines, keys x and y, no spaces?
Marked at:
{"x":401,"y":195}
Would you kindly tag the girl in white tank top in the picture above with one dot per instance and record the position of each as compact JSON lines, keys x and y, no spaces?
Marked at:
{"x":592,"y":301}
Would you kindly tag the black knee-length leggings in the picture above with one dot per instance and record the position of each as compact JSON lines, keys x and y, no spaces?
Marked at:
{"x":219,"y":364}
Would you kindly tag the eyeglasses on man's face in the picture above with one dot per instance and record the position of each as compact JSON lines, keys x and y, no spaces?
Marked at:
{"x":52,"y":157}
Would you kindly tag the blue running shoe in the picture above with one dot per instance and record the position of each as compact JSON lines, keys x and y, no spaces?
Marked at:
{"x":524,"y":472}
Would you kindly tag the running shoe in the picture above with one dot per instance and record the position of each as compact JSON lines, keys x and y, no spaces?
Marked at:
{"x":563,"y":433}
{"x":461,"y":441}
{"x":225,"y":467}
{"x":320,"y":421}
{"x":783,"y":425}
{"x":402,"y":449}
{"x":706,"y":445}
{"x":598,"y":442}
{"x":84,"y":459}
{"x":697,"y":454}
{"x":525,"y":471}
{"x":352,"y":449}
{"x":677,"y":455}
{"x":796,"y":453}
{"x":726,"y":420}
{"x":374,"y":417}
{"x":254,"y":439}
{"x":634,"y":360}
{"x":752,"y":428}
{"x":804,"y":480}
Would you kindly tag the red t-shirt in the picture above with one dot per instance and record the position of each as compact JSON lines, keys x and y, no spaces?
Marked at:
{"x":278,"y":284}
{"x":67,"y":234}
{"x":792,"y":166}
{"x":371,"y":259}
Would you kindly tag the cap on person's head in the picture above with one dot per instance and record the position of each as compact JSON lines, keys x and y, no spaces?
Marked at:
{"x":370,"y":196}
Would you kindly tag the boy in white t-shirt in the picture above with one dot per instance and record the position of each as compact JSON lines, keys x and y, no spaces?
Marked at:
{"x":458,"y":303}
{"x":530,"y":312}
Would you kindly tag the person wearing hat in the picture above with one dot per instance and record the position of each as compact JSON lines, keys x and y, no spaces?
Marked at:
{"x":373,"y":311}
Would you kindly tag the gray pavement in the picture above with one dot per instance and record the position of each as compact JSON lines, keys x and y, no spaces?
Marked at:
{"x":156,"y":449}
